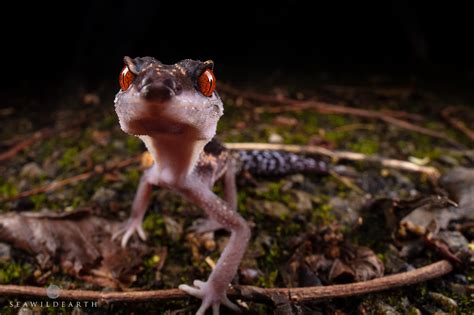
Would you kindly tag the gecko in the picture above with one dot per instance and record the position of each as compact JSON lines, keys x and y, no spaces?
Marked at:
{"x":174,"y":109}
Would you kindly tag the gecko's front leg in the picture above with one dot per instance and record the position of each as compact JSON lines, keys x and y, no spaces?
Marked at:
{"x":213,"y":292}
{"x":140,"y":205}
{"x":230,"y":196}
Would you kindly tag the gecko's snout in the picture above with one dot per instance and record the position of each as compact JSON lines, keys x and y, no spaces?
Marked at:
{"x":157,"y":92}
{"x":160,"y":89}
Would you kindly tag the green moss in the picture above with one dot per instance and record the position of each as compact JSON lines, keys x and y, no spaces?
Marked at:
{"x":68,"y":158}
{"x":108,"y":123}
{"x":336,"y":120}
{"x":291,"y":229}
{"x":153,"y":261}
{"x":271,"y":191}
{"x":47,"y":148}
{"x":336,"y":136}
{"x":154,"y":225}
{"x":268,"y":281}
{"x":8,"y":189}
{"x":311,"y":122}
{"x":133,"y":175}
{"x":321,"y":215}
{"x":38,"y":200}
{"x":295,"y":138}
{"x":134,"y":144}
{"x":11,"y":272}
{"x":365,"y":146}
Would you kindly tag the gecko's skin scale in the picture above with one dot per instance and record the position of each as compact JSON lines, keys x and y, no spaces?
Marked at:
{"x":168,"y":108}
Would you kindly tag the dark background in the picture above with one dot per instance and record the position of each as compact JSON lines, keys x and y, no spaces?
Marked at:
{"x":49,"y":49}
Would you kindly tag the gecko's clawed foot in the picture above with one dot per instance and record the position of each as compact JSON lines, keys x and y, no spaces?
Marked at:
{"x":210,"y":296}
{"x":202,"y":226}
{"x":130,"y":227}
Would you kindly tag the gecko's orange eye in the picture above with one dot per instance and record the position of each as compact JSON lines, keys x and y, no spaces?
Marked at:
{"x":125,"y":78}
{"x":207,"y":82}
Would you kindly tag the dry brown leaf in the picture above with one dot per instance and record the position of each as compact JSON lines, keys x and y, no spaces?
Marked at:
{"x":80,"y":242}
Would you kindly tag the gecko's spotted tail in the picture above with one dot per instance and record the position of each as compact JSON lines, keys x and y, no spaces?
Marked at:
{"x":268,"y":162}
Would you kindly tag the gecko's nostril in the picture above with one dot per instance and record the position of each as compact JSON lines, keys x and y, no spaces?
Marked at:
{"x":173,"y":85}
{"x":157,"y":92}
{"x":169,"y":83}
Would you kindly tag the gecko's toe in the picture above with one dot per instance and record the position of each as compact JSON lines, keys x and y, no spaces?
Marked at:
{"x":209,"y":296}
{"x":198,"y":293}
{"x":141,"y":233}
{"x":204,"y":306}
{"x":130,"y":228}
{"x":231,"y":305}
{"x":126,"y":237}
{"x":198,"y":283}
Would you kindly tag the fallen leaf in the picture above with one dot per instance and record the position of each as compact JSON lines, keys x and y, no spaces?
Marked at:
{"x":79,"y":241}
{"x":459,"y":182}
{"x":326,"y":257}
{"x":340,"y":272}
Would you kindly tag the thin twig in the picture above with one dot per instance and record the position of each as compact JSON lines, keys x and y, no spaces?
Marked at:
{"x":402,"y":114}
{"x":41,"y":134}
{"x":352,"y":127}
{"x":250,"y":293}
{"x":99,"y":169}
{"x":347,"y":182}
{"x":456,"y":123}
{"x":20,"y":146}
{"x":465,"y":226}
{"x":442,"y":248}
{"x":338,"y":155}
{"x":327,"y":108}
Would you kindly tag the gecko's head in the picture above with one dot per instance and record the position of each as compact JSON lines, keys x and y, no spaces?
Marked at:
{"x":158,"y":99}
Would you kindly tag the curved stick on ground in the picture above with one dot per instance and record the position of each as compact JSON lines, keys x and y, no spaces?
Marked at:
{"x":338,"y":155}
{"x":249,"y":293}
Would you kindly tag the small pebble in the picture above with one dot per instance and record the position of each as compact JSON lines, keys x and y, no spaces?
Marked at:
{"x":5,"y":252}
{"x":91,"y":99}
{"x":447,"y":303}
{"x":173,"y":228}
{"x":385,"y":309}
{"x":31,"y":170}
{"x":104,"y":195}
{"x":275,"y":138}
{"x":25,"y":311}
{"x":77,"y":311}
{"x":249,"y":275}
